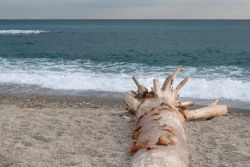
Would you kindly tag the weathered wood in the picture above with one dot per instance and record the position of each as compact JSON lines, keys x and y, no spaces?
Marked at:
{"x":159,"y":138}
{"x":141,"y":91}
{"x":206,"y":113}
{"x":185,"y":104}
{"x":131,"y":102}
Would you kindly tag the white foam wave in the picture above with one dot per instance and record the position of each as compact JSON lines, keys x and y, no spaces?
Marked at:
{"x":21,"y":32}
{"x":227,"y":82}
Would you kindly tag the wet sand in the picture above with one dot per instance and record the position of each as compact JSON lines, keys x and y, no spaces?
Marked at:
{"x":43,"y":130}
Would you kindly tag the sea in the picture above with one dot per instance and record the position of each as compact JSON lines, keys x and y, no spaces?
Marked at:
{"x":100,"y":56}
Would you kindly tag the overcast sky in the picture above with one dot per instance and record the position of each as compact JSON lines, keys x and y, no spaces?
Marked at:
{"x":125,"y":9}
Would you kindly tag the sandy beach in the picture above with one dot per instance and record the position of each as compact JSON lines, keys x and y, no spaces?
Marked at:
{"x":50,"y":130}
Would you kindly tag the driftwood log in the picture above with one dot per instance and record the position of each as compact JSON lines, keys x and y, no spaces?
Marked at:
{"x":159,"y":138}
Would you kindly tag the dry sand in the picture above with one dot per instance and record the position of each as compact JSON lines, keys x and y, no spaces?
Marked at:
{"x":220,"y":142}
{"x":43,"y":130}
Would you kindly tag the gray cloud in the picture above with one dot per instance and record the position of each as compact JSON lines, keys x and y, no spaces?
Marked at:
{"x":125,"y":9}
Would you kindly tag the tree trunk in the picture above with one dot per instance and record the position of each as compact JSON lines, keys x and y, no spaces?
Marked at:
{"x":159,"y":139}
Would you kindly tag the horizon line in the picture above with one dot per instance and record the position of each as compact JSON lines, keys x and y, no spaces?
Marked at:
{"x":219,"y":19}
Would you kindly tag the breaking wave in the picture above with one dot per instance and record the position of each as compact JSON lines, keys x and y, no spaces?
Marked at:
{"x":21,"y":32}
{"x":227,"y":82}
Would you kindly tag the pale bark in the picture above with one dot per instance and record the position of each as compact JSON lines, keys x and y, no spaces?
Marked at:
{"x":141,"y":89}
{"x":131,"y":102}
{"x":159,"y":137}
{"x":205,"y":113}
{"x":184,"y":104}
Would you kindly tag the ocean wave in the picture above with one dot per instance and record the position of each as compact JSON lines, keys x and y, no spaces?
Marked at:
{"x":21,"y":32}
{"x":227,"y":82}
